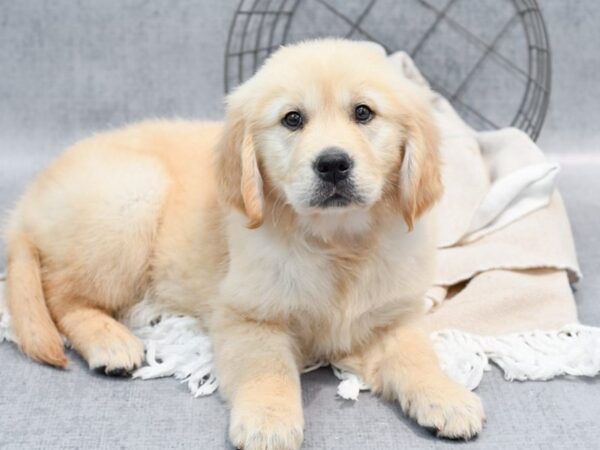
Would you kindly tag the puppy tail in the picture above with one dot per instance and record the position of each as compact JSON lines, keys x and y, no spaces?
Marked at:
{"x":32,"y":324}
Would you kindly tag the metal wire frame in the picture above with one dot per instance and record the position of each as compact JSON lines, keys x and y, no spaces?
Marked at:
{"x":274,"y":17}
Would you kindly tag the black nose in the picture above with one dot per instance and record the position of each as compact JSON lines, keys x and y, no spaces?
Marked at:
{"x":333,"y":165}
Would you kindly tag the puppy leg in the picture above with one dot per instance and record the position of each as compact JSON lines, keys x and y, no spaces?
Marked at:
{"x":259,"y":376}
{"x":104,"y":343}
{"x":402,"y":366}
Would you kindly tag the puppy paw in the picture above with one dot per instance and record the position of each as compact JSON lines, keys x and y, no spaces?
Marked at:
{"x":117,"y":353}
{"x":449,"y":409}
{"x":255,"y":427}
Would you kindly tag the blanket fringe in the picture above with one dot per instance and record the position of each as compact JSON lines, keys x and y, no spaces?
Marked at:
{"x":574,"y":350}
{"x":536,"y":355}
{"x":5,"y":331}
{"x":176,"y":346}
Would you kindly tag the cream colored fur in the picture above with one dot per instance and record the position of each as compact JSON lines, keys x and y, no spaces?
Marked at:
{"x":214,"y":220}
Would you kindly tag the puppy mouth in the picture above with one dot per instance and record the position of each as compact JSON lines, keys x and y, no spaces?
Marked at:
{"x":339,"y":195}
{"x":336,"y":200}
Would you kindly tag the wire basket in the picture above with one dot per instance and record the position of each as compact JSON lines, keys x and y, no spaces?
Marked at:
{"x":490,"y":58}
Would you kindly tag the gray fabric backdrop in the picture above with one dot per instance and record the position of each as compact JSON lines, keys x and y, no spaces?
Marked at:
{"x":71,"y":67}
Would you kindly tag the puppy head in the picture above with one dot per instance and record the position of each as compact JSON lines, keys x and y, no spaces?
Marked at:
{"x":329,"y":127}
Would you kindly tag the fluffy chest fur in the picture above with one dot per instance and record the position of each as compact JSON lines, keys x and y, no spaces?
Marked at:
{"x":331,"y":295}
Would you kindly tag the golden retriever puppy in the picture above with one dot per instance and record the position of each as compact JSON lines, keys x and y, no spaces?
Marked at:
{"x":296,"y":231}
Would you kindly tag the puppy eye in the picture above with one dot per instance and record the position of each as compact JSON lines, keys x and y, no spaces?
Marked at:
{"x":363,"y":114}
{"x":293,"y":120}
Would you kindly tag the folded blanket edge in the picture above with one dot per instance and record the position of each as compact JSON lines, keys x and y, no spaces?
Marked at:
{"x":574,"y":274}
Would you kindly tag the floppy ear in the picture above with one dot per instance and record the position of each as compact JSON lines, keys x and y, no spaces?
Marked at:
{"x":241,"y":184}
{"x":420,"y":179}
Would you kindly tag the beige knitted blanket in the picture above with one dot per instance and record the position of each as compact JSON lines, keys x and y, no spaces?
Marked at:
{"x":505,"y":263}
{"x":506,"y":257}
{"x":506,"y":253}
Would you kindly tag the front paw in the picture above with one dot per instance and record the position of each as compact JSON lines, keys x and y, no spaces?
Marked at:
{"x":266,"y":426}
{"x":449,"y":409}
